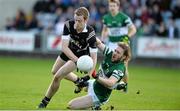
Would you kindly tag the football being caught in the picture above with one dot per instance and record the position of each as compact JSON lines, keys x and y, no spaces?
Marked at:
{"x":85,"y":63}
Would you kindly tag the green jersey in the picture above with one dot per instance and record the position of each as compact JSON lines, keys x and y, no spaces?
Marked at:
{"x":107,"y":69}
{"x":117,"y":25}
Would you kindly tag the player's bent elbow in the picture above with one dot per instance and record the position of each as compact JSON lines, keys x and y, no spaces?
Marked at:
{"x":64,"y":48}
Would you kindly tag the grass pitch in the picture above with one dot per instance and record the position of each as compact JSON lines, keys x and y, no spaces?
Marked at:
{"x":23,"y":83}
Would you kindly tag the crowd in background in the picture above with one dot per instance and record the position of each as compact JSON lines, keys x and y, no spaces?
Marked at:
{"x":151,"y":17}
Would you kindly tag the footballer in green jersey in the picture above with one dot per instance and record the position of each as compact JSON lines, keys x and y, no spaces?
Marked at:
{"x":117,"y":26}
{"x":107,"y":69}
{"x":111,"y":71}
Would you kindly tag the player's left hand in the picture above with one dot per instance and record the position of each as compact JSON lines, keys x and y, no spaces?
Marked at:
{"x":122,"y":86}
{"x":126,"y":39}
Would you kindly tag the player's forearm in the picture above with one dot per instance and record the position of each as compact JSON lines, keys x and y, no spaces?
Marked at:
{"x":104,"y":34}
{"x":106,"y":82}
{"x":125,"y":78}
{"x":131,"y":31}
{"x":66,"y":49}
{"x":94,"y":57}
{"x":69,"y":54}
{"x":99,"y":44}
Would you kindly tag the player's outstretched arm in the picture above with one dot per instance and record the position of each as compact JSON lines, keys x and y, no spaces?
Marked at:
{"x":107,"y":82}
{"x":94,"y":57}
{"x":67,"y":51}
{"x":100,"y":45}
{"x":104,"y":33}
{"x":132,"y":30}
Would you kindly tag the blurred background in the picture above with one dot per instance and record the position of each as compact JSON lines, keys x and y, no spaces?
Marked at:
{"x":157,"y":21}
{"x":30,"y":40}
{"x":35,"y":26}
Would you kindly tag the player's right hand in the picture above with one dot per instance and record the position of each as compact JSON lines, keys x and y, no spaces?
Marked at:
{"x":122,"y":86}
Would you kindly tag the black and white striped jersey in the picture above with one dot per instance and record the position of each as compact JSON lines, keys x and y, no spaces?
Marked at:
{"x":79,"y":41}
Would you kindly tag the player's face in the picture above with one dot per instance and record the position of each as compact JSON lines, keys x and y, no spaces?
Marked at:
{"x":79,"y":22}
{"x":113,"y":7}
{"x":117,"y":54}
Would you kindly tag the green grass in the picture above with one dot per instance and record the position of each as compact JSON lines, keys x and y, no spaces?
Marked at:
{"x":23,"y":82}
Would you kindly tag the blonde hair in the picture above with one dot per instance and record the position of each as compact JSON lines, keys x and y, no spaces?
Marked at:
{"x":127,"y":51}
{"x":114,"y":1}
{"x":82,"y":11}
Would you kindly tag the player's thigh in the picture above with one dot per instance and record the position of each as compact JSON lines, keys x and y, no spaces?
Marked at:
{"x":81,"y":102}
{"x":58,"y":63}
{"x":68,"y":67}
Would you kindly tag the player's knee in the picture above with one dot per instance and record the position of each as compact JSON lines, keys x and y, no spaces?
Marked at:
{"x":53,"y":72}
{"x":56,"y":78}
{"x":71,"y":105}
{"x":59,"y":76}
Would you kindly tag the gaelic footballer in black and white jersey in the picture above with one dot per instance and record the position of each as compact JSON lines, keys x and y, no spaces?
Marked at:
{"x":78,"y":39}
{"x":79,"y":43}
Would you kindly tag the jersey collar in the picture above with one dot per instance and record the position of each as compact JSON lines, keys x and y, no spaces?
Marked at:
{"x":85,"y":28}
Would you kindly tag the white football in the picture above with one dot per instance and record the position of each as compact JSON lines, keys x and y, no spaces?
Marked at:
{"x":85,"y":63}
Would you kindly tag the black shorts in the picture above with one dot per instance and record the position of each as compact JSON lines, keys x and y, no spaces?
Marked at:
{"x":78,"y":54}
